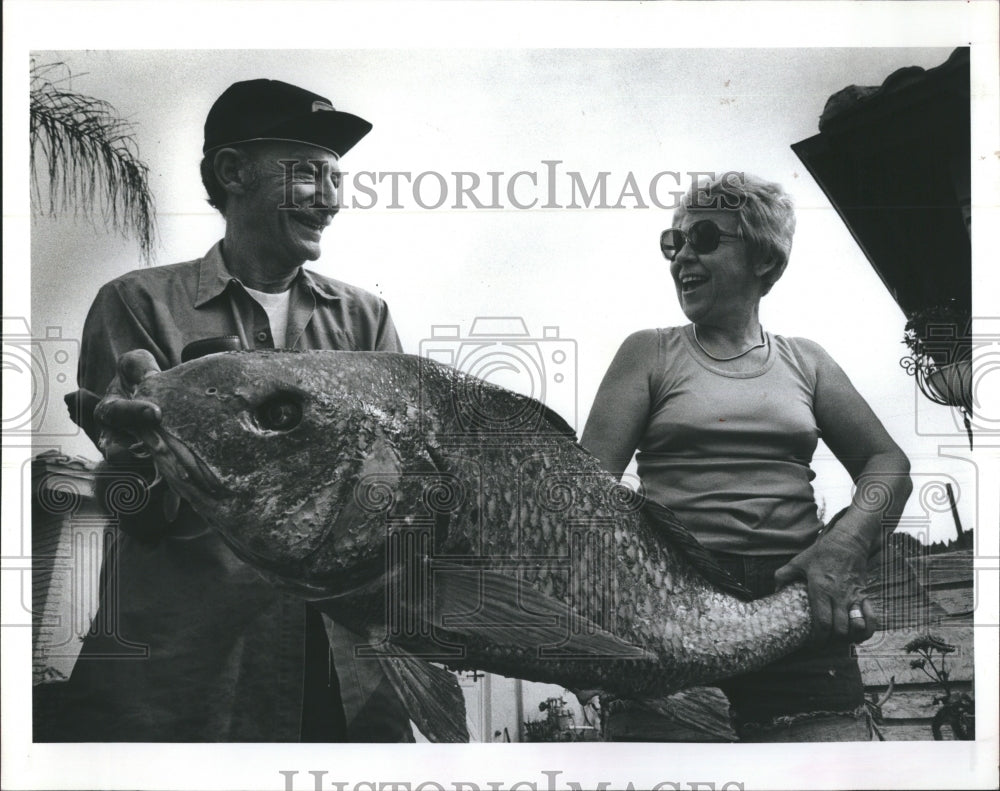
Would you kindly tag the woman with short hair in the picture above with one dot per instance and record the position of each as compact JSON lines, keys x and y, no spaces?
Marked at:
{"x":725,"y":417}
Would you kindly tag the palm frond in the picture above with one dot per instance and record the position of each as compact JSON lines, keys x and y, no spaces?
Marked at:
{"x":91,"y":162}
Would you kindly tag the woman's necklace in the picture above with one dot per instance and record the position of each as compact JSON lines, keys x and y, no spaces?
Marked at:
{"x":763,"y":342}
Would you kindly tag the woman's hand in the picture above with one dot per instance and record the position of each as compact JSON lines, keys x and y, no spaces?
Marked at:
{"x":835,"y":572}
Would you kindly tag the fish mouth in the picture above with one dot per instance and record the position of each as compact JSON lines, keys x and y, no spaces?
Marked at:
{"x":180,"y":465}
{"x":368,"y":578}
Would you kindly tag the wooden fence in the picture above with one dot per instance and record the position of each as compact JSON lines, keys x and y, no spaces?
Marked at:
{"x":946,"y":580}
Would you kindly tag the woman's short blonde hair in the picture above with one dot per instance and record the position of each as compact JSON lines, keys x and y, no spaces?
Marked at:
{"x":766,"y":215}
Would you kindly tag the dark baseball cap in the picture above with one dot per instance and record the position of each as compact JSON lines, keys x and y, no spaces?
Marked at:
{"x":275,"y":110}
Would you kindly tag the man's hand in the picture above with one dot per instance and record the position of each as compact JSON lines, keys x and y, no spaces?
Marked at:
{"x":118,"y":414}
{"x":835,"y":570}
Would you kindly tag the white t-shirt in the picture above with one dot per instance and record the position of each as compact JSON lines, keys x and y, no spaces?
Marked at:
{"x":276,"y":308}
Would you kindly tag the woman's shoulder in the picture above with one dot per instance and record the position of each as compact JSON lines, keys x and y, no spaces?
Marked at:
{"x":655,"y":340}
{"x":651,"y":353}
{"x":810,"y":354}
{"x":806,"y":346}
{"x":653,"y":335}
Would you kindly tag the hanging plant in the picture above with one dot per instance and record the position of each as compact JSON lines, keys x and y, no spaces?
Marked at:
{"x":939,"y":338}
{"x":940,"y":332}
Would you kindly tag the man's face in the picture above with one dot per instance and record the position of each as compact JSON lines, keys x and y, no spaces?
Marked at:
{"x":293,"y":200}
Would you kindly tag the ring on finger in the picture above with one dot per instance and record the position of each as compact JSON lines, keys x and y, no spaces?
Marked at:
{"x":855,"y":613}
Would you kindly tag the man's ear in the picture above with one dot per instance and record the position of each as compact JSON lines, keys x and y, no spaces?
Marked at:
{"x":231,"y":171}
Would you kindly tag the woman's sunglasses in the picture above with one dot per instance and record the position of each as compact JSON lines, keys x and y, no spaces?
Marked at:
{"x":704,"y":237}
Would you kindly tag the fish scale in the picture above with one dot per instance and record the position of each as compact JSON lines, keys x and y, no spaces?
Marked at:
{"x":538,"y":564}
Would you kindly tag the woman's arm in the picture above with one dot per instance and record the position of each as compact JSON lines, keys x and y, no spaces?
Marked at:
{"x":835,"y":567}
{"x":621,"y":407}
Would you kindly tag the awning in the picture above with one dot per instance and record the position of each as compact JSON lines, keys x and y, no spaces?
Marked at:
{"x":894,"y":160}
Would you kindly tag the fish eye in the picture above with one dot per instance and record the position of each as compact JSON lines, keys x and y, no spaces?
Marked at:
{"x":281,"y":413}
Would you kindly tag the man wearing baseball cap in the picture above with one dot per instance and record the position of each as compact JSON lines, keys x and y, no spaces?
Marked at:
{"x":190,"y":644}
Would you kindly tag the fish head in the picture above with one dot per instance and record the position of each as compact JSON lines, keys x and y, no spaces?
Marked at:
{"x":269,"y":448}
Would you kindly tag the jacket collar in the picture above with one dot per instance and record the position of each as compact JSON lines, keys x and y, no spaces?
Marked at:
{"x":214,"y":278}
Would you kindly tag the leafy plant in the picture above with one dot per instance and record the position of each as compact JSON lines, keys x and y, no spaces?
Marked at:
{"x":940,"y":343}
{"x":957,"y":709}
{"x":940,"y":332}
{"x":91,"y":161}
{"x":554,"y":727}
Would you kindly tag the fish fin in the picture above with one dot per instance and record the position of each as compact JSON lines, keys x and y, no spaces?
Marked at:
{"x":670,"y":527}
{"x":476,"y":400}
{"x":506,"y":610}
{"x":704,"y":709}
{"x":430,"y":694}
{"x":557,"y":422}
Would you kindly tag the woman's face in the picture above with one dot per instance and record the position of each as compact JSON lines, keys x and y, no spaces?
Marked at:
{"x":716,"y":287}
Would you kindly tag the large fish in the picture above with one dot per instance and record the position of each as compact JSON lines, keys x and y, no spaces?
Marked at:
{"x":452,"y":521}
